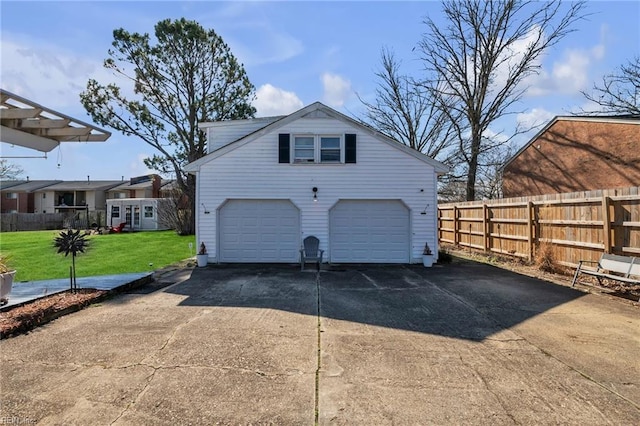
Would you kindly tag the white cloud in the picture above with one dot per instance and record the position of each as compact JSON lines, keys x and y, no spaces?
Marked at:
{"x":534,"y":118}
{"x":267,"y":45}
{"x":572,"y":73}
{"x":598,"y":51}
{"x":138,"y":168}
{"x":272,"y":101}
{"x":46,"y":73}
{"x":336,"y":89}
{"x":514,"y":55}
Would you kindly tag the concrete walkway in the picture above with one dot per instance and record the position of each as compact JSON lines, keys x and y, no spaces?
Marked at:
{"x":31,"y":290}
{"x":357,"y":345}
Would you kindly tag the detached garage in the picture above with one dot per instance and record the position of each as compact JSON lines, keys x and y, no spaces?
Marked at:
{"x":268,"y":183}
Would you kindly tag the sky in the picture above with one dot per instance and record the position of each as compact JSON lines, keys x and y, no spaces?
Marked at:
{"x":294,"y":53}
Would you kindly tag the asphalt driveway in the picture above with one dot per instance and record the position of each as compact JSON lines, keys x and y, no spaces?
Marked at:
{"x":256,"y":344}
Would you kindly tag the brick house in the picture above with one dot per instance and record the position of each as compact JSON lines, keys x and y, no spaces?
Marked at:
{"x":18,"y":196}
{"x":576,"y":154}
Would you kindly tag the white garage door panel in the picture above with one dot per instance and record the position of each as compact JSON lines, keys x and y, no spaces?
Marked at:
{"x":259,"y":231}
{"x":369,"y":231}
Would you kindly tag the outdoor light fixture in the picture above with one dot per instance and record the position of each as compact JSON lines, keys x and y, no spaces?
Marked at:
{"x":315,"y":194}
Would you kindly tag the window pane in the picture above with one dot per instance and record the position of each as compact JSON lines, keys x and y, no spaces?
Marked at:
{"x":330,"y":155}
{"x":330,"y":149}
{"x":330,"y":142}
{"x":136,"y":215}
{"x":304,"y":142}
{"x":304,"y":148}
{"x":304,"y":154}
{"x":148,"y":211}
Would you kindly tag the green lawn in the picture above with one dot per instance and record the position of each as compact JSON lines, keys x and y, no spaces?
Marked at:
{"x":32,"y":253}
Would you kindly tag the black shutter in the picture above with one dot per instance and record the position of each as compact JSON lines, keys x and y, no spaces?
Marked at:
{"x":350,"y":148}
{"x":283,"y":148}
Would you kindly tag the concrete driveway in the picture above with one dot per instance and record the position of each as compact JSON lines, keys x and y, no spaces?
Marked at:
{"x":461,"y":343}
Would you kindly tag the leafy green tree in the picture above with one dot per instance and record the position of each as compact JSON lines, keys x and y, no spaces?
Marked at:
{"x":71,"y":242}
{"x":185,"y":76}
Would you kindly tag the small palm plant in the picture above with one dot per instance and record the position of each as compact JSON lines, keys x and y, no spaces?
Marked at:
{"x":71,"y":242}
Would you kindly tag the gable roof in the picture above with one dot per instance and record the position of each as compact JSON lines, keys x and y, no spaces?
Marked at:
{"x":31,"y":185}
{"x":622,"y":119}
{"x":83,"y":185}
{"x":310,"y":109}
{"x":6,"y":184}
{"x":226,"y":123}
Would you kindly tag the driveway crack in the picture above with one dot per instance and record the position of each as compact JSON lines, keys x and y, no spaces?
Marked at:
{"x":149,"y":379}
{"x":488,"y":388}
{"x":319,"y":353}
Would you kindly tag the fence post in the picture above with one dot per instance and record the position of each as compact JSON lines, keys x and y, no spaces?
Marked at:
{"x":606,"y":223}
{"x":530,"y":230}
{"x":455,"y":226}
{"x":485,"y":226}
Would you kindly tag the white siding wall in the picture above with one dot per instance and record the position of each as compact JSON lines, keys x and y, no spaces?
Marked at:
{"x":224,"y":132}
{"x":46,"y":204}
{"x":145,"y":223}
{"x":93,"y":200}
{"x":381,"y":172}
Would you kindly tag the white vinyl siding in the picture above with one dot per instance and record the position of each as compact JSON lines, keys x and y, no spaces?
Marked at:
{"x":222,"y":133}
{"x":139,"y":213}
{"x":252,"y":171}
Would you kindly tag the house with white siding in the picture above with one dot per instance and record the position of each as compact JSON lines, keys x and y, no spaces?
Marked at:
{"x":267,"y":183}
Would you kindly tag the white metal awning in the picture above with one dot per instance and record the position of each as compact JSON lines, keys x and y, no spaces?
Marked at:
{"x":30,"y":125}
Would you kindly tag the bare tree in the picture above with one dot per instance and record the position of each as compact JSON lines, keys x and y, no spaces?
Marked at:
{"x":481,"y":56}
{"x":10,"y":171}
{"x":404,"y":110}
{"x":620,"y":92}
{"x":174,"y":210}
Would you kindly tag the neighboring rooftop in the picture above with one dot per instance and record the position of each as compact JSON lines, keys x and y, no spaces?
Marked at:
{"x":29,"y":185}
{"x":86,"y":185}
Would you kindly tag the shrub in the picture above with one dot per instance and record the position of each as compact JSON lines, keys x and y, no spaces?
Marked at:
{"x":545,"y":258}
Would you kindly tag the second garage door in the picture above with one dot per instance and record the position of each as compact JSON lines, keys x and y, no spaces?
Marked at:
{"x":369,"y":231}
{"x":259,"y":231}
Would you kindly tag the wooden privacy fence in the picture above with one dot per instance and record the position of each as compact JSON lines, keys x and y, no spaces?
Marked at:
{"x":578,"y":226}
{"x":10,"y":222}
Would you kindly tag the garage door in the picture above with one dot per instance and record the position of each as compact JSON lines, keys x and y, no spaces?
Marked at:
{"x":369,"y":231}
{"x":259,"y":231}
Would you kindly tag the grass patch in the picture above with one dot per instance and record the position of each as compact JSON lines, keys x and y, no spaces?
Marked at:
{"x":32,"y":254}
